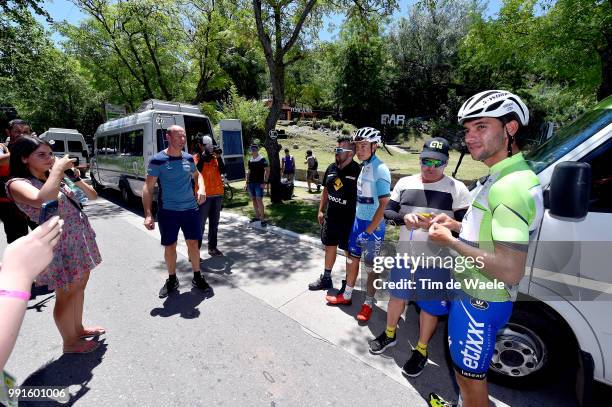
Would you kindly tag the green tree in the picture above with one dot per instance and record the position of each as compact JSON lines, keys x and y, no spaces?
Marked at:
{"x":424,"y":48}
{"x":281,"y":24}
{"x":362,"y":72}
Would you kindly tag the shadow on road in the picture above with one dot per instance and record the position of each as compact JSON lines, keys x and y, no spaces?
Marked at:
{"x":67,"y":371}
{"x":184,"y":304}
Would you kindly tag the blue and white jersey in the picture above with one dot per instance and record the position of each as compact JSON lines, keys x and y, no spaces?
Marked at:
{"x":374,"y":182}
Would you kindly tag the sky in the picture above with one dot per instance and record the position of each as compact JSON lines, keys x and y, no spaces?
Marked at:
{"x":66,"y":10}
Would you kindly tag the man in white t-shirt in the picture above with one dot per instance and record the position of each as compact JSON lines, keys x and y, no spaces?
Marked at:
{"x":414,"y":202}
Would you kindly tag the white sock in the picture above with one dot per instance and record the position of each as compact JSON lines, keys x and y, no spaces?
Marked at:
{"x":369,"y":301}
{"x":348,"y":292}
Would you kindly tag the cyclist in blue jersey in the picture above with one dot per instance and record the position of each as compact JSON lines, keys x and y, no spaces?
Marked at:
{"x":368,"y":233}
{"x":506,"y":211}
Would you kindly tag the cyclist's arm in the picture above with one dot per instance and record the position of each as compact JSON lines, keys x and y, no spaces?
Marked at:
{"x":324,"y":200}
{"x":505,"y":264}
{"x":378,"y":215}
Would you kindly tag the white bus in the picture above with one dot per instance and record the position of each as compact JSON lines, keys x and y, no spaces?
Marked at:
{"x":123,"y":147}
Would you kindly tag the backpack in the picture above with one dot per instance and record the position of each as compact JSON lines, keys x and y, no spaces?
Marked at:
{"x":316,"y":164}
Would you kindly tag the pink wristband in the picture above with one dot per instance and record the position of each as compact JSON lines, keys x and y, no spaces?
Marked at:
{"x":22,"y":295}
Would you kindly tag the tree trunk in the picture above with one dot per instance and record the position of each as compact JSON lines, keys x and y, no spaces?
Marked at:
{"x":277,"y":76}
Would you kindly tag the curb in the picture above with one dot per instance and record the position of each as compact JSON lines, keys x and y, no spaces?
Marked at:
{"x":309,"y":240}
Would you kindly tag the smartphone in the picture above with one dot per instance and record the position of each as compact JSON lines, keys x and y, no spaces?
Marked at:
{"x":69,"y":172}
{"x":426,"y":215}
{"x":48,"y":210}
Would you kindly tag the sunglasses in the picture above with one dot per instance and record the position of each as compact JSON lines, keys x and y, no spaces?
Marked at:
{"x":431,"y":162}
{"x":340,"y":150}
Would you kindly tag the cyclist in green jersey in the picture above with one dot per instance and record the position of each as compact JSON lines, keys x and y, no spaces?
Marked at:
{"x":494,"y":234}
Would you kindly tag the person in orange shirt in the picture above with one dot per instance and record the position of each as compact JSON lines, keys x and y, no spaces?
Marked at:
{"x":208,"y":165}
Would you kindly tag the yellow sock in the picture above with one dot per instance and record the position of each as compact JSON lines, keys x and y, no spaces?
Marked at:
{"x":422,"y":349}
{"x":390,"y":332}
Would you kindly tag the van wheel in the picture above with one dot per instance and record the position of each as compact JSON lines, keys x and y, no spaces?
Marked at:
{"x":126,"y":194}
{"x":95,"y":184}
{"x":533,"y":349}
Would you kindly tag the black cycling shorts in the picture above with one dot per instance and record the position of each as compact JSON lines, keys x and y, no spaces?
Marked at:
{"x":336,"y":232}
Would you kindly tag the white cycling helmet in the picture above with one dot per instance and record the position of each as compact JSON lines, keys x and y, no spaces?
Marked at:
{"x":367,"y":134}
{"x":494,"y":103}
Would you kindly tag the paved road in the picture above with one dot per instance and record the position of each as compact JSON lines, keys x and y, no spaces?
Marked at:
{"x":262,"y":339}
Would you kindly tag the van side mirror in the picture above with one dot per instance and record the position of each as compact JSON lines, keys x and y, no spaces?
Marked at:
{"x":85,"y":154}
{"x":570,"y":190}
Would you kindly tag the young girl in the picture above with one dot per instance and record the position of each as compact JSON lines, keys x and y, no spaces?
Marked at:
{"x":37,"y":177}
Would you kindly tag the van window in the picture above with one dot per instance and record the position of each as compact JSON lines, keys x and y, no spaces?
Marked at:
{"x":99,"y":144}
{"x":112,"y":145}
{"x":131,"y":143}
{"x":601,"y":189}
{"x":75,"y":146}
{"x":57,"y":145}
{"x":162,"y":143}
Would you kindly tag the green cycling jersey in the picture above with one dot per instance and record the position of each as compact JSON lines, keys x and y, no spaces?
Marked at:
{"x":506,"y":209}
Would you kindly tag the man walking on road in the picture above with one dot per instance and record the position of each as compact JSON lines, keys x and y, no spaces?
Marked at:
{"x":175,"y":171}
{"x":337,"y":207}
{"x":505,"y":212}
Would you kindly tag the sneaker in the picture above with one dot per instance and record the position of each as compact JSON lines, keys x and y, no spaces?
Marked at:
{"x":415,"y":365}
{"x":168,"y":288}
{"x":365,"y":313}
{"x":215,"y":252}
{"x":200,"y":283}
{"x":264,"y":223}
{"x":437,"y":401}
{"x":254,"y":220}
{"x":321,"y":283}
{"x":338,"y":299}
{"x":382,"y":342}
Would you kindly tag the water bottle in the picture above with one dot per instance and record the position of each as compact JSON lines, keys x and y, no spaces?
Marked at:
{"x":78,"y":194}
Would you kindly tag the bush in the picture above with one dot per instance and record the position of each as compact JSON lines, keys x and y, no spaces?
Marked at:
{"x":251,"y":113}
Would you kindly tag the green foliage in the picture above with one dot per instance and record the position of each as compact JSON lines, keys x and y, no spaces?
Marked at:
{"x":47,"y":87}
{"x":361,"y":72}
{"x":251,"y":113}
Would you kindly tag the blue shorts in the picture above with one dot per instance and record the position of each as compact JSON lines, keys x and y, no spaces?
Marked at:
{"x":472,"y":331}
{"x":170,"y":222}
{"x":372,"y":247}
{"x":255,"y":190}
{"x":429,"y":291}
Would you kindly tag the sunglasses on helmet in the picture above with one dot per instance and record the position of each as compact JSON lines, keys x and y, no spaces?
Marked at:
{"x":432,"y":162}
{"x":340,"y":150}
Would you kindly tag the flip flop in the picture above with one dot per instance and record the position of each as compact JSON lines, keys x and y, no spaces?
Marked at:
{"x":84,"y":347}
{"x":94,"y":331}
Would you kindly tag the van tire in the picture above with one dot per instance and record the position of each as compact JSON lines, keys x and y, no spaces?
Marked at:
{"x":126,"y":193}
{"x":534,"y":348}
{"x":95,"y":184}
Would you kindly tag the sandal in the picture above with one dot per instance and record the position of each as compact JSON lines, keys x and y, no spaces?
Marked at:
{"x":93,"y":331}
{"x":84,"y":347}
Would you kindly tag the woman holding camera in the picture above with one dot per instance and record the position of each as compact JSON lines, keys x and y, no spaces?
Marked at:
{"x":37,"y":177}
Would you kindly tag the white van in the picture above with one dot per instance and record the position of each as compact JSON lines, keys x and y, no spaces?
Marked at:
{"x":563,"y":316}
{"x":68,"y":141}
{"x":123,"y":147}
